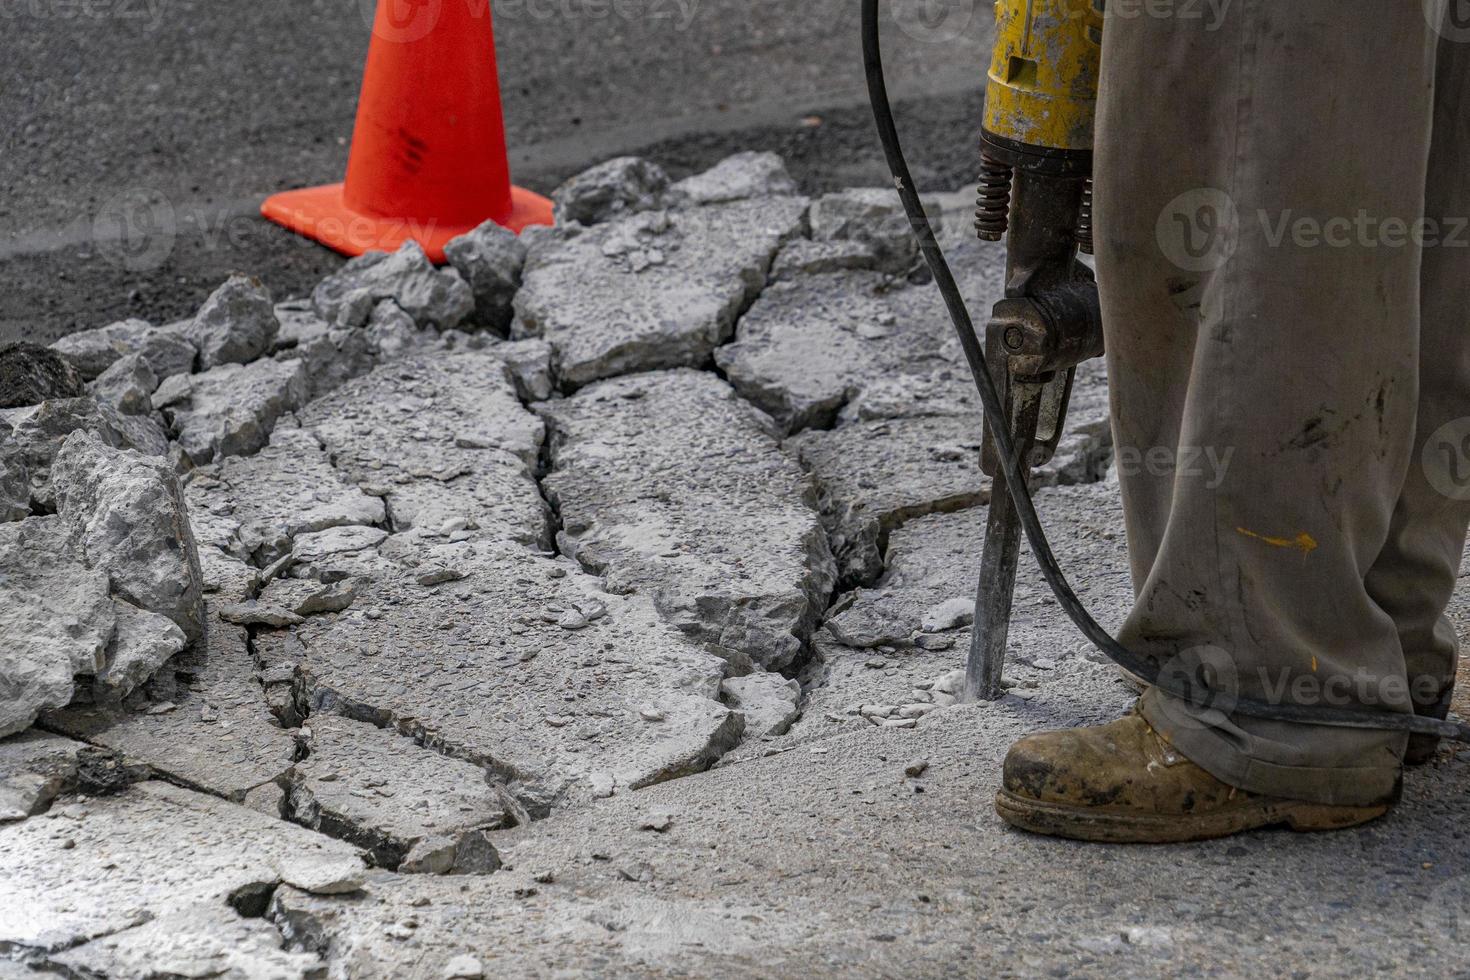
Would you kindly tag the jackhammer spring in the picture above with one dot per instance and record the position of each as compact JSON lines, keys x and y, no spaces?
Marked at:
{"x":1084,"y":220}
{"x":993,"y":207}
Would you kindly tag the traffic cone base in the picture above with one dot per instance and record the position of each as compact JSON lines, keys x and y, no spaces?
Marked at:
{"x":321,"y":214}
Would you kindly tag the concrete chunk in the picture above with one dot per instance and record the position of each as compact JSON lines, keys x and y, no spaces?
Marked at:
{"x":670,"y":485}
{"x":653,"y":290}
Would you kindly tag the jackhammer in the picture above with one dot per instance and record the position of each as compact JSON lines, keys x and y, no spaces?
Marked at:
{"x":1035,"y":192}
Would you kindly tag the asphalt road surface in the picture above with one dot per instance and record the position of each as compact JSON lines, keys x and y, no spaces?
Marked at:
{"x":139,"y":136}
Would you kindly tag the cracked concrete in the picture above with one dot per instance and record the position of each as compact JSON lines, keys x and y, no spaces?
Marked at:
{"x":670,"y":485}
{"x":654,"y":676}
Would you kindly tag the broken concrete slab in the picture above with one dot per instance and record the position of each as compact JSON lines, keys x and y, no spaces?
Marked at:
{"x":809,"y":344}
{"x":441,"y":438}
{"x":263,"y":502}
{"x":235,"y":325}
{"x":490,"y":259}
{"x":386,"y":794}
{"x":524,"y":667}
{"x":671,"y":486}
{"x":933,"y":559}
{"x":532,"y":366}
{"x":15,"y":478}
{"x":865,"y":878}
{"x":217,"y":736}
{"x":609,"y":190}
{"x":31,"y":374}
{"x":34,"y":767}
{"x":736,"y":178}
{"x":55,"y":615}
{"x":769,"y":702}
{"x":232,"y":409}
{"x":804,"y":257}
{"x":433,"y":297}
{"x":142,"y":643}
{"x":149,"y":882}
{"x":653,"y":290}
{"x":332,"y":355}
{"x":874,"y":476}
{"x":128,"y":385}
{"x":126,"y":515}
{"x":40,"y":432}
{"x":872,"y":216}
{"x":167,"y":351}
{"x":880,"y":654}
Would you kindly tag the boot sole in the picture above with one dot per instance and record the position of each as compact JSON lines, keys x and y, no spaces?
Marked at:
{"x":1088,"y":824}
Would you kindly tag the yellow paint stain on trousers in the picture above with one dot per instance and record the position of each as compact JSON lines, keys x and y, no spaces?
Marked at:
{"x":1303,"y":542}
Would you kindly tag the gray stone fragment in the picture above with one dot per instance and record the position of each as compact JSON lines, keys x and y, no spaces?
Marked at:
{"x":670,"y":485}
{"x":232,"y":409}
{"x":735,"y":178}
{"x":15,"y":478}
{"x":306,"y":597}
{"x":874,"y":476}
{"x":31,"y":374}
{"x":219,"y":737}
{"x":470,"y":853}
{"x":811,"y":343}
{"x":433,"y":297}
{"x":610,"y":190}
{"x":34,"y":767}
{"x":383,"y":792}
{"x":874,"y":217}
{"x":390,"y":332}
{"x":489,"y":258}
{"x":252,"y":613}
{"x":40,"y":431}
{"x":175,"y":862}
{"x":127,"y":385}
{"x":143,"y":642}
{"x":481,"y":672}
{"x":166,"y":350}
{"x":236,"y":324}
{"x":225,"y":577}
{"x":55,"y":616}
{"x":126,"y":514}
{"x":653,"y":290}
{"x":804,"y":257}
{"x":531,"y":366}
{"x":440,"y":437}
{"x":465,"y":966}
{"x":257,"y":505}
{"x":769,"y":702}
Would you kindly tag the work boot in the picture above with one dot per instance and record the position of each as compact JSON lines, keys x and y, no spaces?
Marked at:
{"x":1122,"y":783}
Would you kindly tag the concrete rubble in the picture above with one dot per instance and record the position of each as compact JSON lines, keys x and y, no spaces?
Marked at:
{"x":591,"y":605}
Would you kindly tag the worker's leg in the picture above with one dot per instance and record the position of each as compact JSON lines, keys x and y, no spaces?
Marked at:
{"x":1259,"y":171}
{"x":1416,"y":572}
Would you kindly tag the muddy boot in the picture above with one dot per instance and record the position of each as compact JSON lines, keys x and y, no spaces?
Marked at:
{"x":1122,"y":783}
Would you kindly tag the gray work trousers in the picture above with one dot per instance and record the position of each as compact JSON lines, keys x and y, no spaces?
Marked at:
{"x":1282,"y":194}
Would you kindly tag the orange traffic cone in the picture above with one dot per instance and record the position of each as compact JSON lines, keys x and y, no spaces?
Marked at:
{"x":428,"y":153}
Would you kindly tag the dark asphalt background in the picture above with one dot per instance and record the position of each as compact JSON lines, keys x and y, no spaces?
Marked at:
{"x":141,"y":135}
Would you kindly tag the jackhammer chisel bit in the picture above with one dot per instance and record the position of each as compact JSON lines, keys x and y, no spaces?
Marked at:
{"x":1035,"y":191}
